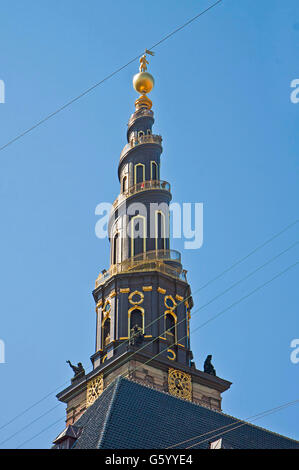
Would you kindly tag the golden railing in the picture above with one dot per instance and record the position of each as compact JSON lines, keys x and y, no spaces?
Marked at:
{"x":141,"y":139}
{"x":141,"y":112}
{"x":143,"y":186}
{"x":148,"y":261}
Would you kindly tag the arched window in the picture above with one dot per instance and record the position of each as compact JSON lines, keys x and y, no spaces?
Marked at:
{"x":140,"y":133}
{"x":136,"y":319}
{"x":170,"y":332}
{"x":124,"y":184}
{"x":115,"y":249}
{"x":139,"y":174}
{"x":154,"y":171}
{"x":138,"y":235}
{"x":160,"y":231}
{"x":106,"y":332}
{"x":148,"y":132}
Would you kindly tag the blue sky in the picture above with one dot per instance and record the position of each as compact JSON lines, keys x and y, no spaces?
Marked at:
{"x":230,"y":136}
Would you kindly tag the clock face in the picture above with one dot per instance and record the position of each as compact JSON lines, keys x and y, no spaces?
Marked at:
{"x":179,"y":384}
{"x":94,"y":389}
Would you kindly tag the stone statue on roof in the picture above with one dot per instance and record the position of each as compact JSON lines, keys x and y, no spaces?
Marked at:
{"x":78,"y":369}
{"x":208,"y":366}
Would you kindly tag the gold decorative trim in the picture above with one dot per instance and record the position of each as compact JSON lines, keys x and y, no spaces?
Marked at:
{"x":172,"y":300}
{"x":188,"y":323}
{"x":124,"y":291}
{"x":157,"y":169}
{"x":135,"y":172}
{"x":152,"y":260}
{"x":106,"y":312}
{"x":105,"y":317}
{"x":179,"y":297}
{"x":136,"y":292}
{"x":100,"y":303}
{"x":147,"y":185}
{"x":124,"y":337}
{"x":179,"y":384}
{"x":171,"y":312}
{"x":180,"y":345}
{"x":161,"y":337}
{"x":95,"y":388}
{"x":112,"y":294}
{"x":147,"y":288}
{"x":148,"y":336}
{"x":104,"y":358}
{"x":143,"y":101}
{"x":161,"y":290}
{"x":170,"y":351}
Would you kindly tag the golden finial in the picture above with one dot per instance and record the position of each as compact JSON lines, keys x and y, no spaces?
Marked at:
{"x":143,"y":82}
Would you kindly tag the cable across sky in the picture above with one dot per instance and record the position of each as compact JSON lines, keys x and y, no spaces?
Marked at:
{"x":97,"y":84}
{"x":218,"y":276}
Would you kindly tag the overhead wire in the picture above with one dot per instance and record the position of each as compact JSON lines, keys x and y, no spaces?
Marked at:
{"x":232,"y":425}
{"x":91,"y":88}
{"x":200,"y":308}
{"x":126,"y":374}
{"x":196,"y":329}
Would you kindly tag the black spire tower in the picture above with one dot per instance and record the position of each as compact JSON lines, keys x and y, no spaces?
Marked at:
{"x":143,"y":301}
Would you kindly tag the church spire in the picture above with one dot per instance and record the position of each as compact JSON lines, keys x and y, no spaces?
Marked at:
{"x":143,"y":301}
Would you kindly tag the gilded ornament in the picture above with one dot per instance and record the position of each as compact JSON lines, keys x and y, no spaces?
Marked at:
{"x":179,"y":384}
{"x":135,"y":294}
{"x":169,"y":302}
{"x":147,"y":288}
{"x":95,"y":388}
{"x":161,"y":290}
{"x":143,"y":82}
{"x":179,"y":297}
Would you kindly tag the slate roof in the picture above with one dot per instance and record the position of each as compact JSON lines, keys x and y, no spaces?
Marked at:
{"x":129,"y":415}
{"x":70,"y":431}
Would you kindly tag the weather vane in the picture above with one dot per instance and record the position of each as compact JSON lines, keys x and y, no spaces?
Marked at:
{"x":143,"y":61}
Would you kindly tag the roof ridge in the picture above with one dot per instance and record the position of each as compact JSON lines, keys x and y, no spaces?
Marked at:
{"x":239,"y":420}
{"x":116,"y":384}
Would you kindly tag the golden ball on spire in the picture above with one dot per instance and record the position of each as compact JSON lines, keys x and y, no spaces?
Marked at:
{"x":143,"y":82}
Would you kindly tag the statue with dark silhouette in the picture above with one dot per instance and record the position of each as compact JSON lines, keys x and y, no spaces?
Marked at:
{"x":78,"y":369}
{"x":136,"y":336}
{"x":208,"y":366}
